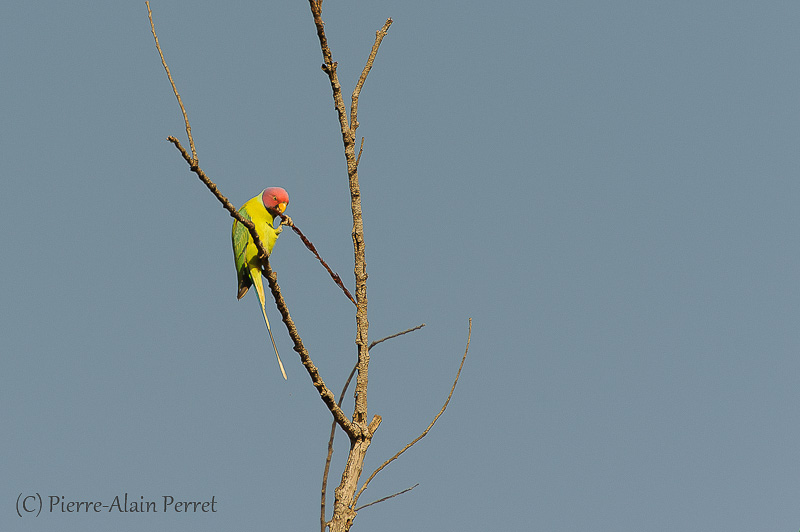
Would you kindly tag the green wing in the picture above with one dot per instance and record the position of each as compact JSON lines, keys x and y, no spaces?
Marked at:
{"x":240,"y":237}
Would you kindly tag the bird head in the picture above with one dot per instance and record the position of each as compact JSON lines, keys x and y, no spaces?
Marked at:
{"x":275,"y":199}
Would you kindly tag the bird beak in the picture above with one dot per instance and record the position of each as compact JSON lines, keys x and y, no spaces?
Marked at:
{"x":280,"y":207}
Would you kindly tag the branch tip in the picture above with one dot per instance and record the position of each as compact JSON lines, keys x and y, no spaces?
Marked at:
{"x":171,"y":82}
{"x":389,"y":497}
{"x":412,"y":329}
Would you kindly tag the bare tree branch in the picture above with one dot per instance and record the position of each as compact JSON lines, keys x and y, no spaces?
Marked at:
{"x":324,"y":494}
{"x":325,"y":394}
{"x":174,"y":89}
{"x":343,"y":512}
{"x":192,"y":159}
{"x":193,"y":166}
{"x":389,"y":497}
{"x":395,"y":335}
{"x":379,"y":35}
{"x":329,"y":67}
{"x":335,"y":276}
{"x":444,"y":406}
{"x":348,"y":137}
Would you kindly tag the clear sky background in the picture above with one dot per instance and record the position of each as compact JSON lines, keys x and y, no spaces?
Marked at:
{"x":608,"y":189}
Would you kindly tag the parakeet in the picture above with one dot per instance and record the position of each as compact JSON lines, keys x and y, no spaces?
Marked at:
{"x":261,"y":210}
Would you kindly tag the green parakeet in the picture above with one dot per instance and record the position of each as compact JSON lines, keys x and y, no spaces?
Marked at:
{"x":261,"y":210}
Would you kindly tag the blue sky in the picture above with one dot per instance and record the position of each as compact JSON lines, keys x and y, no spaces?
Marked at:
{"x":608,"y":189}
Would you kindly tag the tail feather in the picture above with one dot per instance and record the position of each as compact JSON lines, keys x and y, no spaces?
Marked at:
{"x":260,"y":291}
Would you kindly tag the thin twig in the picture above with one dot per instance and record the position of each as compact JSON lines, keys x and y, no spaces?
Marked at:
{"x":389,"y":497}
{"x":327,"y":470}
{"x":444,"y":406}
{"x":395,"y":335}
{"x":329,"y":67}
{"x":360,"y":151}
{"x":330,"y":452}
{"x":171,"y":82}
{"x":379,"y":35}
{"x":335,"y":276}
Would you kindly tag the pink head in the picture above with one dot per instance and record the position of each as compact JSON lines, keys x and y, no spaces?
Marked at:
{"x":275,"y":199}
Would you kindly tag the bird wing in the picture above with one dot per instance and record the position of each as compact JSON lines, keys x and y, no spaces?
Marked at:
{"x":240,"y":237}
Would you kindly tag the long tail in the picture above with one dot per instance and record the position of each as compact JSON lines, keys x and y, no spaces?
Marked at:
{"x":260,"y":291}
